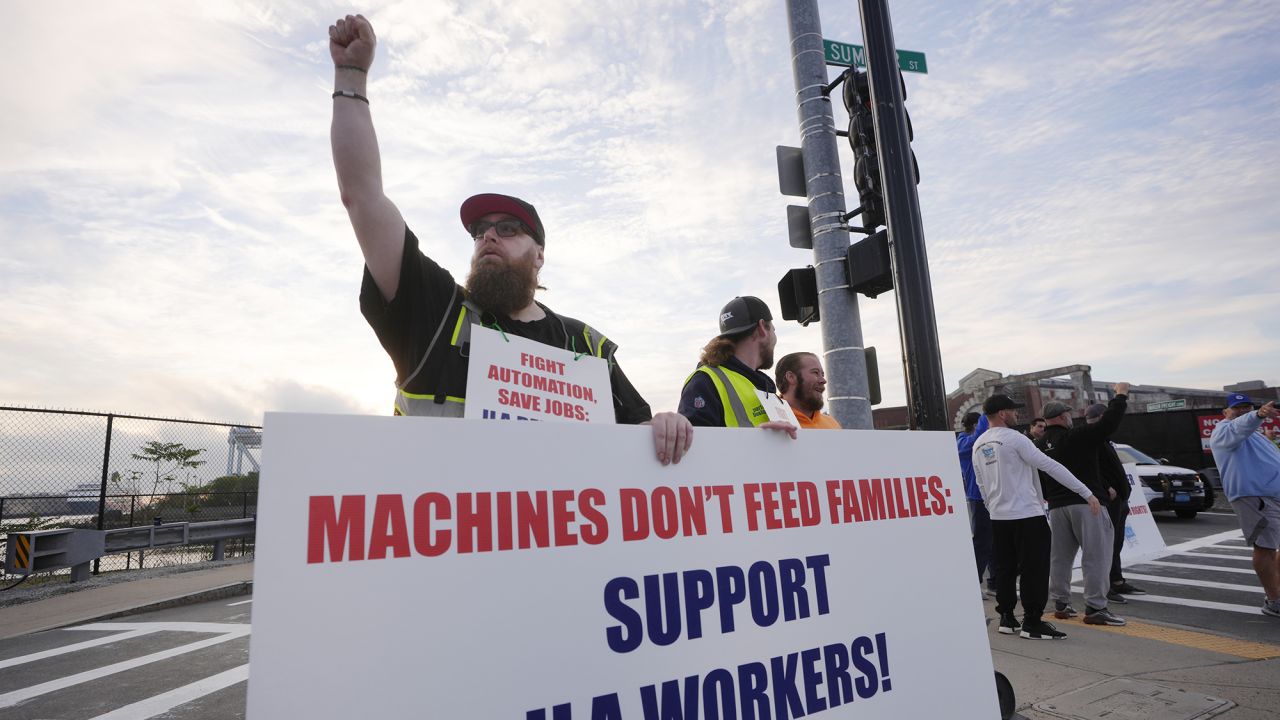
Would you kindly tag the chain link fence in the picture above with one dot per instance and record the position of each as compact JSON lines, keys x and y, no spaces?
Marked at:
{"x":62,"y":468}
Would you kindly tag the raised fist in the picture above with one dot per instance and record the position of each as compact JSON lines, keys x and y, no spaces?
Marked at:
{"x":1122,"y":388}
{"x":351,"y":42}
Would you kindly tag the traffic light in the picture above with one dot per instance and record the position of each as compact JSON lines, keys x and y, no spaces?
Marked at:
{"x":798,"y":295}
{"x":868,"y":265}
{"x":862,"y":138}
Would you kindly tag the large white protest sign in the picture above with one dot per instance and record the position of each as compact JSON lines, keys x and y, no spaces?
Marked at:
{"x":430,"y":568}
{"x":514,"y":378}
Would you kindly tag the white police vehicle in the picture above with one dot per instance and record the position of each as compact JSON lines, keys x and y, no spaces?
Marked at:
{"x":1168,"y":487}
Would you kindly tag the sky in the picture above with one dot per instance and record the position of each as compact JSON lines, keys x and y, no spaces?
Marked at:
{"x":1097,"y":185}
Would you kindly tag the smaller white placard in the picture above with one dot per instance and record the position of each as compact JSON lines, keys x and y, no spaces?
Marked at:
{"x":1142,"y":538}
{"x":515,"y":378}
{"x":776,"y":408}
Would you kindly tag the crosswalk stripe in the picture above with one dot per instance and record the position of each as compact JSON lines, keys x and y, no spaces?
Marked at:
{"x":1194,"y":566}
{"x":164,"y":702}
{"x":13,"y":698}
{"x":74,"y":647}
{"x":1193,"y":583}
{"x":1204,"y":541}
{"x":1215,"y":556}
{"x":1189,"y":602}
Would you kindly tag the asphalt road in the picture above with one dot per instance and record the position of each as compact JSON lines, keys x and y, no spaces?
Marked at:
{"x":1211,"y":586}
{"x":191,"y":663}
{"x":185,"y":663}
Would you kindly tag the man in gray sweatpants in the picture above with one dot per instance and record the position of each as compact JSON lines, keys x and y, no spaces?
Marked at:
{"x":1073,"y":526}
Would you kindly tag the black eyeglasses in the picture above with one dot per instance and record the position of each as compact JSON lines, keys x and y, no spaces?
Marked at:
{"x":505,"y":228}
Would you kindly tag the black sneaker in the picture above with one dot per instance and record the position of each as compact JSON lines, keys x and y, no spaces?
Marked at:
{"x":1116,"y":598}
{"x":1042,"y":631}
{"x":1124,"y":588}
{"x":1101,"y":617}
{"x":1063,"y":611}
{"x":1009,"y":624}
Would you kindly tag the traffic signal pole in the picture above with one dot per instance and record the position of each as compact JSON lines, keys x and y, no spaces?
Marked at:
{"x":917,"y":323}
{"x":843,"y":354}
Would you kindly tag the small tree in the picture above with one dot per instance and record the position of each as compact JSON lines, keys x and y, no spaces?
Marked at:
{"x":167,"y":461}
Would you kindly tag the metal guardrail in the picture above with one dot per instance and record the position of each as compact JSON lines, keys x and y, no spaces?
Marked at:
{"x":49,"y":550}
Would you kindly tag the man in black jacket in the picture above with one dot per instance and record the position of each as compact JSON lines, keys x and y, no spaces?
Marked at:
{"x":1112,"y":471}
{"x":1073,"y":526}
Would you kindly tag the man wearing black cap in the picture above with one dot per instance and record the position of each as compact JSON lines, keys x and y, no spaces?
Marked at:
{"x":1074,"y":528}
{"x":1250,"y":466}
{"x":420,"y":314}
{"x":726,"y":390}
{"x":1005,"y":463}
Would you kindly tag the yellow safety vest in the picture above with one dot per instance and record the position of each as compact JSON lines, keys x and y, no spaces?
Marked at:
{"x":742,"y":407}
{"x":580,"y":337}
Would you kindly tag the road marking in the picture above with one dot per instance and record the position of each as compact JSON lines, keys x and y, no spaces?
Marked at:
{"x":1189,"y":602}
{"x":13,"y":698}
{"x":1212,"y":555}
{"x":73,"y":648}
{"x":165,"y":702}
{"x":1192,"y":583}
{"x":1204,"y":541}
{"x":242,"y":602}
{"x":1194,"y":566}
{"x":1188,"y":638}
{"x":1244,"y":551}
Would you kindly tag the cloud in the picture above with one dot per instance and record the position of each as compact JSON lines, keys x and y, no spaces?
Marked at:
{"x":174,"y":243}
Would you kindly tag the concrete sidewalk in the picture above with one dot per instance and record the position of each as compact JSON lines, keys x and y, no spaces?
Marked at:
{"x":1143,"y":670}
{"x":95,"y":601}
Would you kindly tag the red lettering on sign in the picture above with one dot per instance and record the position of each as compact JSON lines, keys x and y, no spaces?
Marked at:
{"x":390,"y":529}
{"x":341,"y":528}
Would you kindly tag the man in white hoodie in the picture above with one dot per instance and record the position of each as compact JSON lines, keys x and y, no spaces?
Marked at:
{"x":1005,"y":463}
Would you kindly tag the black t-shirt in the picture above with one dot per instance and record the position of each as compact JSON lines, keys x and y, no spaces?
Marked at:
{"x":427,"y":292}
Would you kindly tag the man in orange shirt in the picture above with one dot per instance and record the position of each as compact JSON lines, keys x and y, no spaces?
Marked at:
{"x":801,"y":383}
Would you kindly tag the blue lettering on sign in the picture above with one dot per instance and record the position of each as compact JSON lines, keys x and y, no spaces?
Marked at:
{"x":487,"y":414}
{"x":793,"y":685}
{"x":673,"y":604}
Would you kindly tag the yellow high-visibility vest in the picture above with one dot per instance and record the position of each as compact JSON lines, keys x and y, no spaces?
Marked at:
{"x":742,"y":406}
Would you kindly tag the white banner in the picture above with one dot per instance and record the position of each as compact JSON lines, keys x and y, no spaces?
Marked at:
{"x":515,"y":378}
{"x":1142,"y":538}
{"x":429,"y":568}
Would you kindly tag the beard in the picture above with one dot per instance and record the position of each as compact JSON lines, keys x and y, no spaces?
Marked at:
{"x":807,"y":397}
{"x":503,"y":288}
{"x":766,"y":358}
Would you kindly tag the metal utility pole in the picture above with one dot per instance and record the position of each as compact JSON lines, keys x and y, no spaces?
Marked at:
{"x":917,"y":323}
{"x":843,"y":354}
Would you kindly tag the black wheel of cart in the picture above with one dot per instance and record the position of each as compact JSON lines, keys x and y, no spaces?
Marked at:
{"x":1004,"y":691}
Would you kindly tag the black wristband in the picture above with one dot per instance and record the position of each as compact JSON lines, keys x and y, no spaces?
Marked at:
{"x":352,"y":95}
{"x":357,"y":68}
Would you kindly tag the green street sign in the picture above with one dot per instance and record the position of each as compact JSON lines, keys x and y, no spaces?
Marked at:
{"x":846,"y":55}
{"x":1167,"y":405}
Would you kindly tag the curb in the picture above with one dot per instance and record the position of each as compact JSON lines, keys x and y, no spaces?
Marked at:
{"x":217,"y":593}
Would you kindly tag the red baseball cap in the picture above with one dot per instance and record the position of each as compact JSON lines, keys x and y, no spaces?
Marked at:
{"x":477,"y":206}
